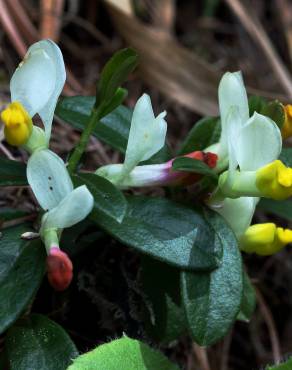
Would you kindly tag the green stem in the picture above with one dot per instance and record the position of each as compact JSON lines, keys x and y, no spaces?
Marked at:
{"x":81,"y":146}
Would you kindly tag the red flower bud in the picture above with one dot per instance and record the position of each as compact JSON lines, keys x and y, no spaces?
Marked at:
{"x":59,"y":268}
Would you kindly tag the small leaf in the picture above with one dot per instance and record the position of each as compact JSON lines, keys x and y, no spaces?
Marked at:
{"x":165,"y":318}
{"x":256,"y":104}
{"x":39,"y":343}
{"x":275,"y":110}
{"x":108,"y":200}
{"x":116,"y":101}
{"x":13,"y":173}
{"x":123,"y":354}
{"x":166,"y":230}
{"x":282,"y":208}
{"x":22,"y":265}
{"x":212,"y":299}
{"x":286,"y":156}
{"x":248,"y":302}
{"x":204,"y":133}
{"x":114,"y":73}
{"x":192,"y":165}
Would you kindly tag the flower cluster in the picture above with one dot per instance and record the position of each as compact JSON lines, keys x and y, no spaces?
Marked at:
{"x":35,"y":87}
{"x":246,"y":157}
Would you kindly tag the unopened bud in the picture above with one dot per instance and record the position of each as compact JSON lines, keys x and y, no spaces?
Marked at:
{"x":59,"y":268}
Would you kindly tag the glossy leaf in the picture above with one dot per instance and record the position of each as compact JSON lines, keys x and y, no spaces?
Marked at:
{"x":39,"y":343}
{"x":165,"y":318}
{"x":12,"y":173}
{"x":282,"y":208}
{"x":248,"y":302}
{"x":113,"y":129}
{"x":108,"y":200}
{"x":123,"y":354}
{"x":114,"y":73}
{"x":22,"y":265}
{"x":204,"y":133}
{"x":192,"y":165}
{"x":168,"y":231}
{"x":212,"y":299}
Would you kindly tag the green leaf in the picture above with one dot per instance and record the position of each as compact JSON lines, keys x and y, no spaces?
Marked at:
{"x":114,"y":73}
{"x":286,"y":156}
{"x":7,"y":214}
{"x":113,"y":129}
{"x":282,"y":208}
{"x":108,"y":200}
{"x":22,"y":265}
{"x":193,"y":165}
{"x":204,"y":133}
{"x":284,"y":366}
{"x":165,"y":318}
{"x":13,"y":173}
{"x":39,"y":343}
{"x":256,"y":104}
{"x":275,"y":110}
{"x":123,"y":354}
{"x":248,"y":302}
{"x":116,"y":101}
{"x":212,"y":299}
{"x":168,"y":231}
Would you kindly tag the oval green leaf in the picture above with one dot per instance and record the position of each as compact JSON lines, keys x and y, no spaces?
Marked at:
{"x":203,"y":134}
{"x":22,"y":265}
{"x":13,"y":173}
{"x":168,"y":231}
{"x":212,"y":299}
{"x":165,"y":318}
{"x":108,"y":200}
{"x":123,"y":354}
{"x":39,"y":343}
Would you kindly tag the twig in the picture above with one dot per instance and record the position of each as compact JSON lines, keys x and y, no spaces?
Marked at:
{"x":271,"y":327}
{"x":6,"y":152}
{"x":258,"y":34}
{"x":225,"y":351}
{"x":202,"y":356}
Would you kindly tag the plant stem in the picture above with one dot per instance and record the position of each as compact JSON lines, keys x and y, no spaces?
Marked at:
{"x":81,"y":146}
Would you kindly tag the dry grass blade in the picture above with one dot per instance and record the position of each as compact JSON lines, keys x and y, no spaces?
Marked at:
{"x":11,"y":29}
{"x":51,"y":15}
{"x":258,"y":34}
{"x":285,"y":12}
{"x":172,"y":69}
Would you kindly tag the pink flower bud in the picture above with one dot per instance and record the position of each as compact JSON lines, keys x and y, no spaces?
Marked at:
{"x":59,"y":269}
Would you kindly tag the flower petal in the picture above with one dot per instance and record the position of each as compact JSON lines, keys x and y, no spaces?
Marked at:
{"x":147,"y":134}
{"x":259,"y":143}
{"x":71,"y":210}
{"x":48,"y":177}
{"x":39,"y":80}
{"x":238,"y":213}
{"x":231,"y":92}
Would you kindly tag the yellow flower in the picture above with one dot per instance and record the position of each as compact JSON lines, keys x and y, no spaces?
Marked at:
{"x":265,"y":239}
{"x":275,"y":181}
{"x":287,"y":127}
{"x":18,"y":124}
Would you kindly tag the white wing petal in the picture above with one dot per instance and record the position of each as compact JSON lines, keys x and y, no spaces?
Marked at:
{"x":48,"y":178}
